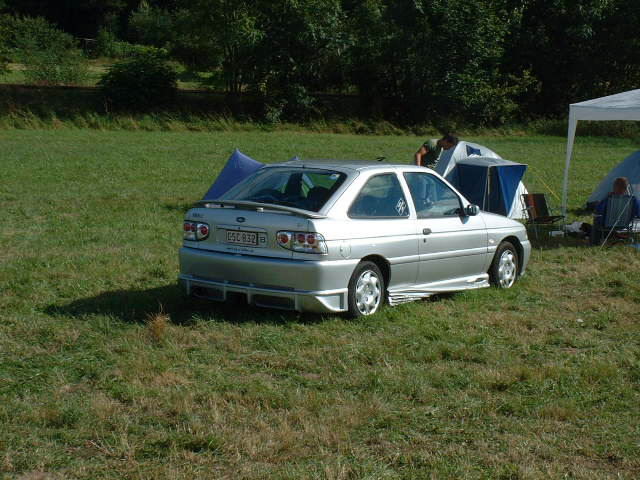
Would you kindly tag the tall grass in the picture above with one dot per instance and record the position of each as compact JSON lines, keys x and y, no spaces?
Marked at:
{"x":17,"y":117}
{"x":107,"y":372}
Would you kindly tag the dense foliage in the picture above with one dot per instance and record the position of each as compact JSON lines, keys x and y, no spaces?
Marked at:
{"x":411,"y":61}
{"x":143,"y":82}
{"x":5,"y":54}
{"x":49,"y":56}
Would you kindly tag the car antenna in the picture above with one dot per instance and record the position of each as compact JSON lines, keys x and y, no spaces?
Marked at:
{"x":380,"y":159}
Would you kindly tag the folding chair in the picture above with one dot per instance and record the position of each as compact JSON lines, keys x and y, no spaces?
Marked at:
{"x":617,"y":222}
{"x":535,"y":204}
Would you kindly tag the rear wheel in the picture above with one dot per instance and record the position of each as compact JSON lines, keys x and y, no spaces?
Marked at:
{"x":504,"y":268}
{"x":366,"y":290}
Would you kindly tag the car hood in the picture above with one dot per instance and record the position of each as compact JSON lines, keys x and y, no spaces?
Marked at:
{"x":493,"y":220}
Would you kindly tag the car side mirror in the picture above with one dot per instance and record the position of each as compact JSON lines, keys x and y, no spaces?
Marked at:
{"x":471,"y":210}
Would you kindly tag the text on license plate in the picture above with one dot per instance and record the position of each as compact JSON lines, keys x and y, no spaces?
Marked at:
{"x":242,"y":238}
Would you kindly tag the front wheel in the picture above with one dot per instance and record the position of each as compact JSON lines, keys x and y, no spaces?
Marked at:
{"x":504,"y":268}
{"x":366,"y":290}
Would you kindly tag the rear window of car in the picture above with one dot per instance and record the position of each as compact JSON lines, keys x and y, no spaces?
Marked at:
{"x":306,"y":189}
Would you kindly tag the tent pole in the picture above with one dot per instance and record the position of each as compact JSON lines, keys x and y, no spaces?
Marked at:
{"x":571,"y":134}
{"x":487,"y":191}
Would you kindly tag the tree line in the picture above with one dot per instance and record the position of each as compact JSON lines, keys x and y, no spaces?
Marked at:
{"x":410,"y":61}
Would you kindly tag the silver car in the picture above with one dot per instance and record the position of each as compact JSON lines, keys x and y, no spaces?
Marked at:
{"x":330,"y":236}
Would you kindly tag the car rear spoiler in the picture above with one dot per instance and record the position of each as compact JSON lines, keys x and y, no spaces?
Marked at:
{"x":258,"y":207}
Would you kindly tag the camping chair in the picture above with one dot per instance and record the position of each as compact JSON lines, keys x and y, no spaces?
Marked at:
{"x":535,"y":204}
{"x":617,"y":222}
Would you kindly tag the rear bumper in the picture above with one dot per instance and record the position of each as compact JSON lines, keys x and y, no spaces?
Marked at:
{"x":314,"y":286}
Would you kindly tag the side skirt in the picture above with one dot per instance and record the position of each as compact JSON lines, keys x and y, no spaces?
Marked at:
{"x":397,"y":296}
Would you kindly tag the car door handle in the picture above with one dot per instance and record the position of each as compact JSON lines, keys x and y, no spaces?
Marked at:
{"x":426,"y":231}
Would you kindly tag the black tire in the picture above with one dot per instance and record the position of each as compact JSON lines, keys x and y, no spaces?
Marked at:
{"x":366,"y":290}
{"x":505,"y":266}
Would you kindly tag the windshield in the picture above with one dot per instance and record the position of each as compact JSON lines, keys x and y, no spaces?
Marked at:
{"x":307,"y":189}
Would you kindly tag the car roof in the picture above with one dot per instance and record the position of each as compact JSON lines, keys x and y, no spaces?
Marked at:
{"x":356,"y":165}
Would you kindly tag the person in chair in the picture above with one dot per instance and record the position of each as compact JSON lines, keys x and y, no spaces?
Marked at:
{"x":620,"y":187}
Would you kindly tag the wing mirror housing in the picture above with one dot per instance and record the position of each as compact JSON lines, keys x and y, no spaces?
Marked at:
{"x":471,"y":210}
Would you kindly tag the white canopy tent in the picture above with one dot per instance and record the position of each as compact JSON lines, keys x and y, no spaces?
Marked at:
{"x":621,"y":106}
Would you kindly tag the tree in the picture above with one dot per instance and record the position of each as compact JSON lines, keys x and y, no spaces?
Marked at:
{"x":219,"y":34}
{"x":49,"y":56}
{"x":432,"y":59}
{"x":562,"y":43}
{"x":617,"y":51}
{"x":81,"y":18}
{"x":300,"y":53}
{"x":5,"y":32}
{"x":149,"y":25}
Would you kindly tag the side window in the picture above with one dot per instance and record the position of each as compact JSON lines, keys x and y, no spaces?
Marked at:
{"x":381,"y":197}
{"x":431,"y":196}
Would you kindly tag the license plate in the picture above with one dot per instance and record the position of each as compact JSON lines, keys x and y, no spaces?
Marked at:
{"x":242,"y":238}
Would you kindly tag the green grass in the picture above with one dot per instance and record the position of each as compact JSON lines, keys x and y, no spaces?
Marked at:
{"x":107,"y":372}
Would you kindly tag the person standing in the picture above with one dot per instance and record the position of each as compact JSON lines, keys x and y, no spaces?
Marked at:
{"x":428,"y":154}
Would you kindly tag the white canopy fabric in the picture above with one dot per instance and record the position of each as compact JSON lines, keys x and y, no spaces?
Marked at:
{"x":621,"y":106}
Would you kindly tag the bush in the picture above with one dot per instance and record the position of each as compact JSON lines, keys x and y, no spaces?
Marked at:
{"x":141,"y":83}
{"x":293,"y":103}
{"x":4,"y":46}
{"x":50,"y":56}
{"x":108,"y":45}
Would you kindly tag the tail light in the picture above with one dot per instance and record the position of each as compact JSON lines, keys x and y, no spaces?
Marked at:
{"x":195,"y":231}
{"x":302,"y":242}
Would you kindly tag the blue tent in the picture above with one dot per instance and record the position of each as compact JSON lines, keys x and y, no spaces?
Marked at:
{"x":238,"y":167}
{"x":490,"y":183}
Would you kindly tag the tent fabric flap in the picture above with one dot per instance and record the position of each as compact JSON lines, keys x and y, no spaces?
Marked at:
{"x":509,"y":178}
{"x":492,"y":183}
{"x":472,"y":182}
{"x":238,"y":167}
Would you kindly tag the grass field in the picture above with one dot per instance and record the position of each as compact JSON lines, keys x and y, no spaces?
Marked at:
{"x":107,"y":372}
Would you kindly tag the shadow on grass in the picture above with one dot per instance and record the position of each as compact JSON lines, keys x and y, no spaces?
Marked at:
{"x":552,"y":243}
{"x":581,"y":212}
{"x":541,"y":238}
{"x":137,"y":305}
{"x":182,"y":207}
{"x":189,"y":76}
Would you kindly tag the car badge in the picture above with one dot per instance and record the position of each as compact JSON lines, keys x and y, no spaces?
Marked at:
{"x":240,"y":219}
